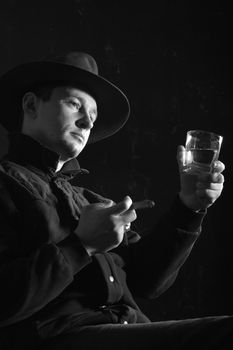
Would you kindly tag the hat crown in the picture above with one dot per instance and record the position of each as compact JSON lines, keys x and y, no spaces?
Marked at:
{"x":79,"y":60}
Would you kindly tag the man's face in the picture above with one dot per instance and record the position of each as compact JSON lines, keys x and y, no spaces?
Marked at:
{"x":63,"y":123}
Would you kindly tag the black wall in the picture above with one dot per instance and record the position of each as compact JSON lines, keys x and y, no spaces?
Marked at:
{"x":173,"y":61}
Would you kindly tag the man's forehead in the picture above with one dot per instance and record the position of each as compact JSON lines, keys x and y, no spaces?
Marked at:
{"x":74,"y":91}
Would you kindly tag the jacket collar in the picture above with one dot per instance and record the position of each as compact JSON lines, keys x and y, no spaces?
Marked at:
{"x":26,"y":151}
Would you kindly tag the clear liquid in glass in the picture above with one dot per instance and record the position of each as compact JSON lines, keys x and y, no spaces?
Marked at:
{"x":200,"y":160}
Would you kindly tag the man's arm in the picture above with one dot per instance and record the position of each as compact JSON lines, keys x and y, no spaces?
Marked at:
{"x":154,"y":262}
{"x":31,"y":279}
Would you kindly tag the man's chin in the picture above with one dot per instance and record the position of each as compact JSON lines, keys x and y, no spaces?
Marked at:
{"x":71,"y":149}
{"x":74,"y":152}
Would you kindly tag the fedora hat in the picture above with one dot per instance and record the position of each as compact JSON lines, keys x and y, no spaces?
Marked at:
{"x":77,"y":68}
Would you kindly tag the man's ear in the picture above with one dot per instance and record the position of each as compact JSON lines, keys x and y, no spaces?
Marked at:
{"x":29,"y":104}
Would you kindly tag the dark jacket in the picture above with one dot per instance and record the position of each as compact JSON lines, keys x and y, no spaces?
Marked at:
{"x":48,"y":281}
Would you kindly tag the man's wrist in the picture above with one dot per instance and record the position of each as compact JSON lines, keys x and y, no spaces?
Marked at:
{"x":185,"y":217}
{"x":190,"y":205}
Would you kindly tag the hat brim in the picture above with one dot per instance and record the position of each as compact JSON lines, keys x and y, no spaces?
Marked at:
{"x":113,"y":105}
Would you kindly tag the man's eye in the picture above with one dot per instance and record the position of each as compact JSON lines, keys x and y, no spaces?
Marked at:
{"x":74,"y":104}
{"x":93,"y":118}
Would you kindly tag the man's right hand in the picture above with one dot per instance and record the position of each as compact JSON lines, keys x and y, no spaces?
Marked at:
{"x":101,"y":226}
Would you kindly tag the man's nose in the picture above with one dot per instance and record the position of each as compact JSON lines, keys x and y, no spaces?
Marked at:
{"x":84,"y":122}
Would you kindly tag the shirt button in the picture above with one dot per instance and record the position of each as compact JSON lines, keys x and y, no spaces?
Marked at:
{"x":111,"y":278}
{"x":103,"y":307}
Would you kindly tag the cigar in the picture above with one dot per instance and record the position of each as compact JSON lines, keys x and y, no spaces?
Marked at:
{"x":145,"y":204}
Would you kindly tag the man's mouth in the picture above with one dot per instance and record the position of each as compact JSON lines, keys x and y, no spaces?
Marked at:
{"x":78,"y":136}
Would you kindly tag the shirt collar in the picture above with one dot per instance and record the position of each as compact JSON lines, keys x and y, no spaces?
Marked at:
{"x":26,"y":151}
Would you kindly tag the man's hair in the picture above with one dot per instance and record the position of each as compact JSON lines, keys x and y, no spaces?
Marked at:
{"x":43,"y":92}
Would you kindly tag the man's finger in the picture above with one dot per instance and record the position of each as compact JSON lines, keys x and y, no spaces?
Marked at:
{"x":211,"y":186}
{"x":128,"y":216}
{"x":218,"y":178}
{"x":120,"y":207}
{"x":106,"y":205}
{"x":181,"y":156}
{"x":218,"y":167}
{"x":208,"y":178}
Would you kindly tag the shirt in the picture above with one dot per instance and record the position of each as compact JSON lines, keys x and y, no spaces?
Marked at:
{"x":47,"y":278}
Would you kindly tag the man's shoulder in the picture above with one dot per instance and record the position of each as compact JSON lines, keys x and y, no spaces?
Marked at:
{"x":15,"y":170}
{"x":18,"y":177}
{"x":12,"y":171}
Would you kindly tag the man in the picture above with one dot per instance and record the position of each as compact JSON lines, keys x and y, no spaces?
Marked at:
{"x":70,"y":266}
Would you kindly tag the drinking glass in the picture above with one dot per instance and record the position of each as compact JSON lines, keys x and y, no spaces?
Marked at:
{"x":202,"y":150}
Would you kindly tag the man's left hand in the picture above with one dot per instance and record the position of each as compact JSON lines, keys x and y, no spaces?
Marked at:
{"x":199,"y":191}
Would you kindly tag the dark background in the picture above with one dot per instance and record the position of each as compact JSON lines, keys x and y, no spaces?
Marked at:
{"x":173,"y":61}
